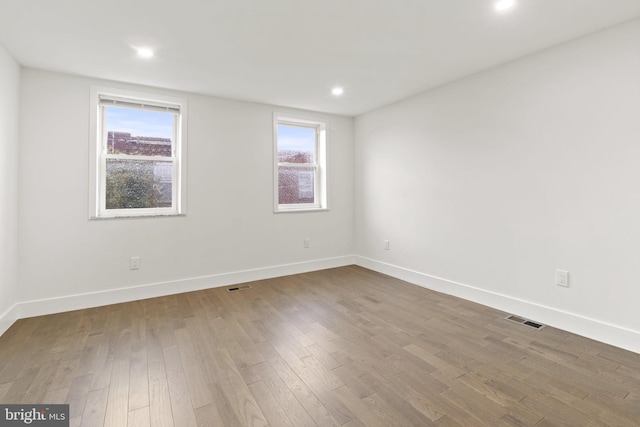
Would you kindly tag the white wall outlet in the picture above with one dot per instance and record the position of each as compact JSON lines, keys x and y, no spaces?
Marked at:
{"x":386,"y":245}
{"x":562,"y":278}
{"x":134,"y":263}
{"x":307,"y":242}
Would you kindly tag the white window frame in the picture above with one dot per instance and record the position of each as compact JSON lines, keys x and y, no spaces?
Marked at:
{"x":99,"y":155}
{"x":319,"y":166}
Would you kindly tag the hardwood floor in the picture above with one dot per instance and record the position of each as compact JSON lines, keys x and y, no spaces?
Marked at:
{"x":341,"y":347}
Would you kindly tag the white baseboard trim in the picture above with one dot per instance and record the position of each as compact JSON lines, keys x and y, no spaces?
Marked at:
{"x":114,"y":296}
{"x":615,"y":335}
{"x":581,"y":325}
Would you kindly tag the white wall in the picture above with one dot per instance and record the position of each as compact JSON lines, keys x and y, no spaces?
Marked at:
{"x":229,"y":228}
{"x":486,"y":186}
{"x":9,"y":104}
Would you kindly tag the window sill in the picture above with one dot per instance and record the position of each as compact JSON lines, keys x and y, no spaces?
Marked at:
{"x":124,"y":216}
{"x":302,"y":210}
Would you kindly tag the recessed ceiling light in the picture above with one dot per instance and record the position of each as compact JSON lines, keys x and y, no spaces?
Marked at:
{"x":144,"y":52}
{"x":337,"y":91}
{"x":504,"y":5}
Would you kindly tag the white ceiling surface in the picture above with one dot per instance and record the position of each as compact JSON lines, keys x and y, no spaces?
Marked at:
{"x":292,"y":52}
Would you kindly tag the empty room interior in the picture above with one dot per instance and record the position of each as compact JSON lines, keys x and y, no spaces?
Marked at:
{"x":338,"y":213}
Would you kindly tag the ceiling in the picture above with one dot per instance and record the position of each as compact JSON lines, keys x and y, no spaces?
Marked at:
{"x":292,"y":52}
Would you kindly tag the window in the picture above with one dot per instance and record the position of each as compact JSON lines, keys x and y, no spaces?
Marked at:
{"x":300,"y":165}
{"x":139,"y":170}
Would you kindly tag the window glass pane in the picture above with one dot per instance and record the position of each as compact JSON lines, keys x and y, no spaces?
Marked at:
{"x":136,"y":184}
{"x":139,"y":132}
{"x":296,"y":185}
{"x":296,"y":144}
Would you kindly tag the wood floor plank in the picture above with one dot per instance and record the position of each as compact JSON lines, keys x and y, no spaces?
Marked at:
{"x":475,"y":403}
{"x":16,"y":346}
{"x":138,"y":373}
{"x":77,"y":396}
{"x":57,"y":396}
{"x":139,"y":418}
{"x":390,"y":415}
{"x":89,"y":355}
{"x":208,"y":416}
{"x":118,"y":400}
{"x":237,"y":392}
{"x":319,"y":384}
{"x":160,"y":413}
{"x":64,"y":374}
{"x":350,"y":379}
{"x":103,"y":364}
{"x":42,"y":382}
{"x":445,"y":369}
{"x":269,"y":406}
{"x":309,"y":401}
{"x":394,"y":393}
{"x":284,"y":396}
{"x":418,"y":394}
{"x":4,"y":388}
{"x":339,"y":347}
{"x":432,"y":405}
{"x":181,"y":399}
{"x":363,"y":412}
{"x":194,"y":372}
{"x":223,"y":406}
{"x":95,"y":407}
{"x":23,"y":381}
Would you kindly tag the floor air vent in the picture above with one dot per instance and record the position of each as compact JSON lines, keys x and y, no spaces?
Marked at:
{"x":239,"y":288}
{"x":525,"y":322}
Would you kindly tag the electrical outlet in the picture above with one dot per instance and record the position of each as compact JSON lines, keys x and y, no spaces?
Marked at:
{"x":134,"y":263}
{"x":562,"y":278}
{"x":386,"y":245}
{"x":307,"y":242}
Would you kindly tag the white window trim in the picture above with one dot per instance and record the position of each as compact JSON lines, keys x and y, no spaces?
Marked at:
{"x":97,"y":162}
{"x":320,"y":165}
